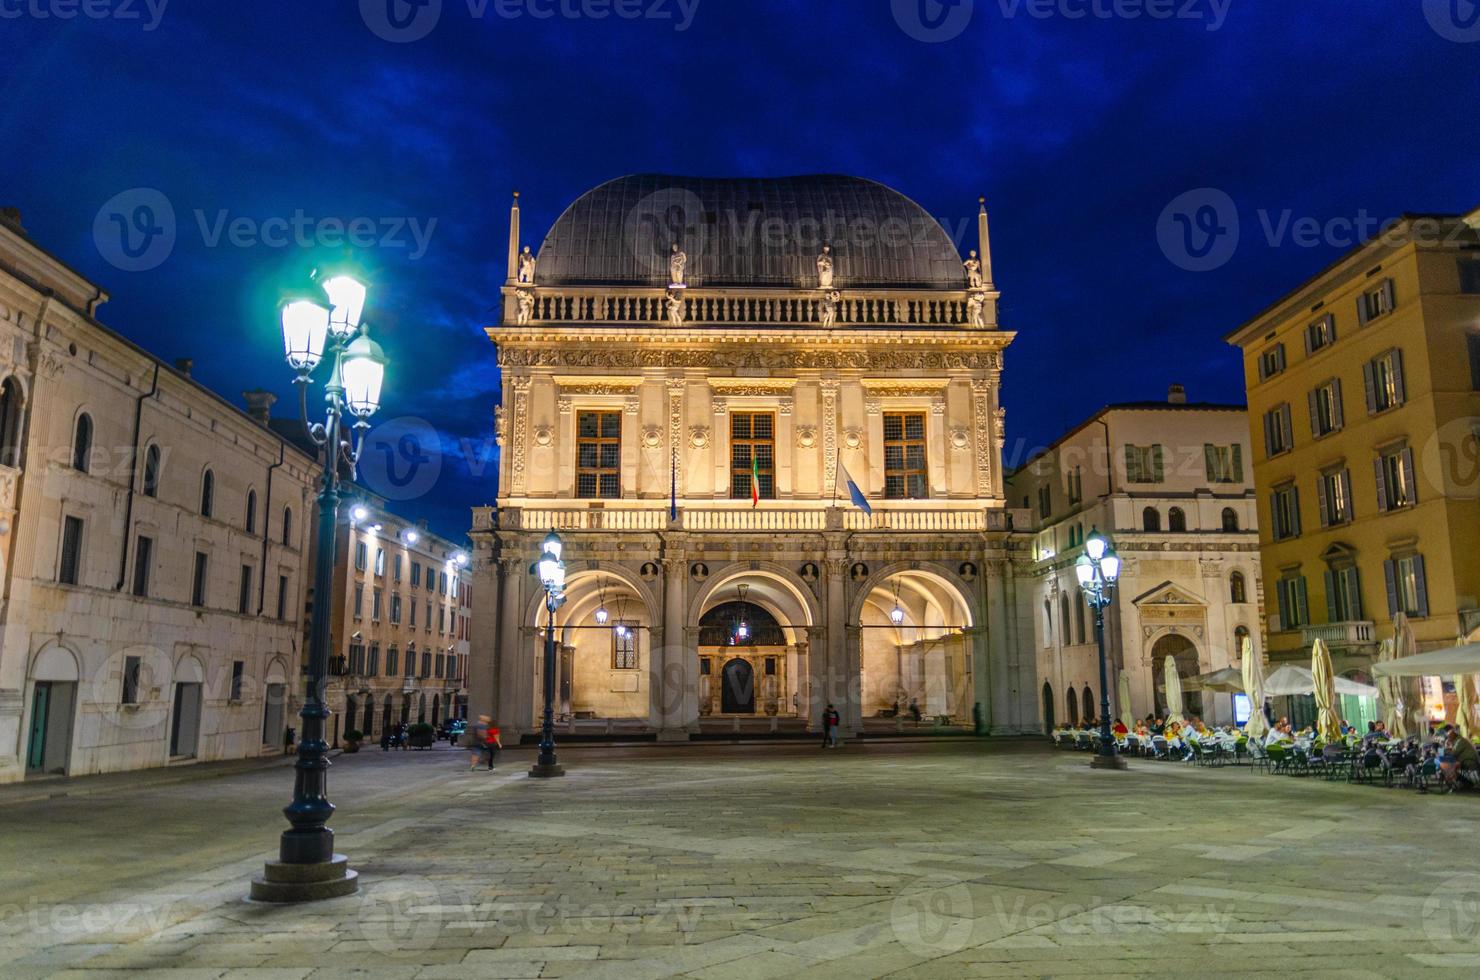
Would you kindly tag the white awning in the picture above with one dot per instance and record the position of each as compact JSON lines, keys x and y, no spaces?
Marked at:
{"x":1299,"y":680}
{"x":1436,"y":663}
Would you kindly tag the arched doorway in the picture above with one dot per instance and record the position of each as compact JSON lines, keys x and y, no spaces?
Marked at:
{"x":436,"y":708}
{"x":1071,"y":701}
{"x":737,"y":688}
{"x":1184,"y":652}
{"x":53,"y":702}
{"x":914,"y":646}
{"x":351,"y":712}
{"x":1047,"y":708}
{"x":385,"y":713}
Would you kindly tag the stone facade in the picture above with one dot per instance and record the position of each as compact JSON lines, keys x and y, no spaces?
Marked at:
{"x":1171,"y":485}
{"x":153,"y":538}
{"x":400,"y":625}
{"x":634,"y":410}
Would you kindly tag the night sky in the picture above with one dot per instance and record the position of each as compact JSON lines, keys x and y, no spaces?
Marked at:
{"x":1080,"y":131}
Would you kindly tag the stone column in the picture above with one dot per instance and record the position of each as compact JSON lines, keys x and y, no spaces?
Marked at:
{"x":512,"y":669}
{"x":834,"y":687}
{"x":993,"y":681}
{"x":676,"y":695}
{"x":852,"y":679}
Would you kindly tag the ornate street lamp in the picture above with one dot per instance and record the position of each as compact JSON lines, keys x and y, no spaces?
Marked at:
{"x":896,"y":615}
{"x":552,"y":577}
{"x":307,"y":868}
{"x":601,"y":615}
{"x":1097,"y":569}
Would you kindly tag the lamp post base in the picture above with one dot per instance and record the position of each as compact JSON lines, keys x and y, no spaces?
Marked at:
{"x":1108,"y":762}
{"x":286,"y":883}
{"x":539,"y":771}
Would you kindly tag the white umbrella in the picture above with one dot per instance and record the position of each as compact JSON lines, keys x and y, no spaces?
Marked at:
{"x":1436,"y":663}
{"x":1174,"y":692}
{"x":1126,"y":717}
{"x":1227,"y":680}
{"x":1291,"y":679}
{"x":1323,"y":682}
{"x":1253,"y":670}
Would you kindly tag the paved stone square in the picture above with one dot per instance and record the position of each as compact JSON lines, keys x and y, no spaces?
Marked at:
{"x":909,"y":859}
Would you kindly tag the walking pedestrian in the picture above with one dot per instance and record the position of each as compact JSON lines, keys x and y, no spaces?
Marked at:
{"x":830,"y":728}
{"x":915,"y":711}
{"x":481,"y":736}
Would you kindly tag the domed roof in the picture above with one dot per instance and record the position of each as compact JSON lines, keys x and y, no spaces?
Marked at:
{"x":764,"y":232}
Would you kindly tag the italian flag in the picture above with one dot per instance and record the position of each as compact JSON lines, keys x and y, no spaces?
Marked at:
{"x":755,"y":480}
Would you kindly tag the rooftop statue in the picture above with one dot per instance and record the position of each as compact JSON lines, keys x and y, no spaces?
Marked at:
{"x":825,"y":268}
{"x":974,"y":272}
{"x":526,"y":266}
{"x":676,"y":264}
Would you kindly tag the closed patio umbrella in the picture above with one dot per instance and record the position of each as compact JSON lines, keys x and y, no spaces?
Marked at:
{"x":1126,"y":717}
{"x":1464,"y":709}
{"x":1388,"y":689}
{"x":1174,"y":692}
{"x":1411,"y":713}
{"x":1323,"y":675}
{"x":1253,"y":671}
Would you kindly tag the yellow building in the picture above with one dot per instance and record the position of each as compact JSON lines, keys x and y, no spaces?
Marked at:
{"x":1364,"y":399}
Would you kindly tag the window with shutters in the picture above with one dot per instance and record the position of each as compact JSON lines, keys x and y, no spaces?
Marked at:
{"x":904,"y":456}
{"x":1294,"y":607}
{"x":1271,"y":362}
{"x":416,"y":575}
{"x":1343,"y":593}
{"x":1278,"y":436}
{"x":1321,"y":334}
{"x":598,"y":455}
{"x":380,"y":562}
{"x":359,"y":601}
{"x":375,"y":605}
{"x":392,"y":661}
{"x":1383,"y":377}
{"x":426,"y":663}
{"x":244,"y":591}
{"x":1144,"y":464}
{"x":1376,"y":302}
{"x":1407,"y":586}
{"x":70,"y":568}
{"x":396,"y":608}
{"x":1325,"y":409}
{"x":752,"y":445}
{"x":1224,"y":464}
{"x":143,"y":564}
{"x":372,"y":666}
{"x":1334,"y":490}
{"x":360,"y":555}
{"x":1285,"y":512}
{"x":411,"y":660}
{"x":1396,"y":482}
{"x":1045,"y":502}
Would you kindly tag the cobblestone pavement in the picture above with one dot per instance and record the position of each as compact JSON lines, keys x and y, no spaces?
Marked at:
{"x":907,"y":859}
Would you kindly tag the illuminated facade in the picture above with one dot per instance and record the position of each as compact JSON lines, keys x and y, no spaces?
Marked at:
{"x":692,"y":370}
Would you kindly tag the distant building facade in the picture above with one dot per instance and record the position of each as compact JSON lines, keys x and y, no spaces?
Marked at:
{"x":400,"y":624}
{"x":152,"y":537}
{"x":685,"y":402}
{"x":1171,"y":485}
{"x":1364,"y":395}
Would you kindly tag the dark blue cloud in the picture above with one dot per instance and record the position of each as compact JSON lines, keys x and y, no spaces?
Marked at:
{"x":1079,"y":130}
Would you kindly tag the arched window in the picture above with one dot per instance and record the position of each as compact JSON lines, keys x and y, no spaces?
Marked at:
{"x":1176,"y":520}
{"x":287,"y":527}
{"x":1079,"y":618}
{"x":1064,"y":617}
{"x":151,"y":472}
{"x":82,"y":441}
{"x":1230,"y":520}
{"x":1073,"y":705}
{"x":10,"y":423}
{"x":251,"y":511}
{"x":1088,"y":698}
{"x":207,"y":493}
{"x":1151,"y":519}
{"x":1048,"y":725}
{"x":1048,"y":622}
{"x":1237,"y":591}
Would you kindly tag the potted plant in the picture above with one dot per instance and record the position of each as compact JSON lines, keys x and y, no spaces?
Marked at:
{"x":352,"y":740}
{"x":421,"y":735}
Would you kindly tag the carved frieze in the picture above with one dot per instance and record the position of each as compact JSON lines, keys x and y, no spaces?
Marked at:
{"x":775,"y":357}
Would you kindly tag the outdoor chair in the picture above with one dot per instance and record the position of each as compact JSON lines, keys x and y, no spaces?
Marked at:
{"x":1336,"y":762}
{"x":1159,"y":749}
{"x":1279,"y":758}
{"x":1258,"y":758}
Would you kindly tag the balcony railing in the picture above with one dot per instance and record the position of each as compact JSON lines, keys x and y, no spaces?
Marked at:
{"x":1352,"y":634}
{"x":720,"y":307}
{"x":761,"y":519}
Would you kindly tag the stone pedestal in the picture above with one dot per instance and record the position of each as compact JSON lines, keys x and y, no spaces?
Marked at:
{"x":1107,"y":762}
{"x":546,"y":772}
{"x":285,"y":883}
{"x":673,"y":735}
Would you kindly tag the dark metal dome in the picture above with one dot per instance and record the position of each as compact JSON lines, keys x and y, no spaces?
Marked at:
{"x":749,"y":232}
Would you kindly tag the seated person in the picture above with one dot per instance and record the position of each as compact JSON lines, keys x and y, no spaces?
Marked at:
{"x":1119,"y":729}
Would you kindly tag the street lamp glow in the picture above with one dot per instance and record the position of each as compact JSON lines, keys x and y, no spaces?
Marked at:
{"x":602,"y":616}
{"x":1095,"y":545}
{"x":459,"y":559}
{"x":552,"y":572}
{"x":553,"y":544}
{"x":1084,"y":569}
{"x":896,"y":615}
{"x":1097,"y":569}
{"x":622,"y":630}
{"x":347,"y":301}
{"x":361,"y":372}
{"x":305,"y":327}
{"x":360,"y":513}
{"x":412,"y":537}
